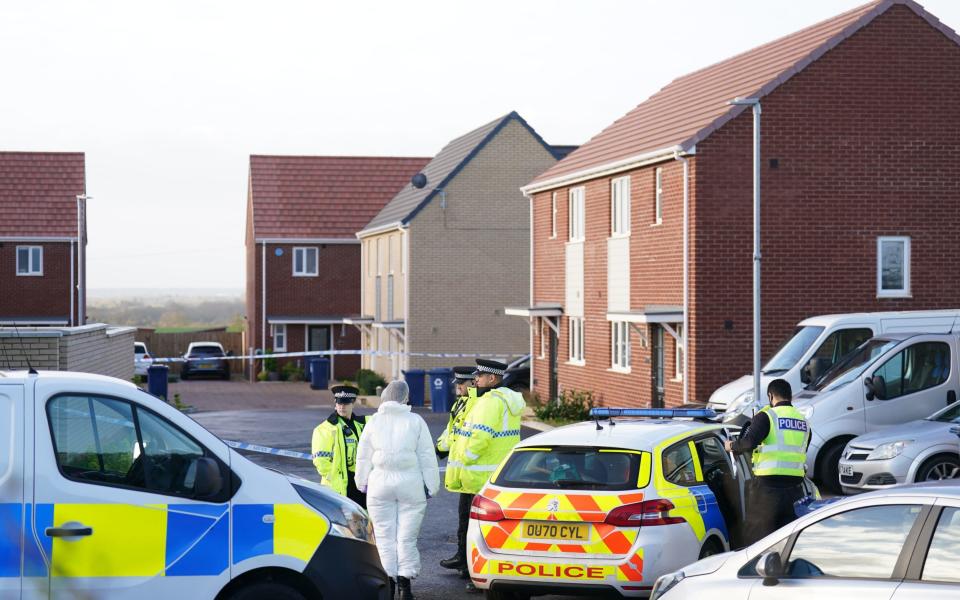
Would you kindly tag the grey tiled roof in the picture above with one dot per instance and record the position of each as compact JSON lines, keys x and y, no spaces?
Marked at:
{"x":444,"y":167}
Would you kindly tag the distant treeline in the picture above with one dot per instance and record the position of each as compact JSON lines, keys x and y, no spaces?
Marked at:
{"x":169,"y":313}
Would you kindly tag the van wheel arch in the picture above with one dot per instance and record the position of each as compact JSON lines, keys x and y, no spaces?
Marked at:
{"x":822,"y":471}
{"x":270,"y":575}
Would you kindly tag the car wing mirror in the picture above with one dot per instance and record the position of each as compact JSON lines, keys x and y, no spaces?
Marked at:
{"x":868,"y":383}
{"x":770,"y":567}
{"x":207,"y":480}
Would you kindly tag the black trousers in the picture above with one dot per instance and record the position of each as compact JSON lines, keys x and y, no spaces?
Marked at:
{"x":770,"y":507}
{"x":353,"y":493}
{"x":463,"y":521}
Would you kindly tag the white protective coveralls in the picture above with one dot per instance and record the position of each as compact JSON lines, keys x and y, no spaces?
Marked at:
{"x":397,"y":465}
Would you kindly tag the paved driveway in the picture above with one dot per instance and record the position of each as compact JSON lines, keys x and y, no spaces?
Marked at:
{"x":210,"y":394}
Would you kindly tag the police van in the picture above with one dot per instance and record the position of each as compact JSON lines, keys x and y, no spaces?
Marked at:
{"x":607,"y":506}
{"x":109,"y":492}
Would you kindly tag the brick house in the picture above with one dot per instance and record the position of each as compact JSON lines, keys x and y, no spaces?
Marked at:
{"x":42,"y":265}
{"x":643,"y":236}
{"x":303,"y":260}
{"x":440,"y":261}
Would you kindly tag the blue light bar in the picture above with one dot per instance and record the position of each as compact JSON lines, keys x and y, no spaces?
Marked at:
{"x":654,"y":413}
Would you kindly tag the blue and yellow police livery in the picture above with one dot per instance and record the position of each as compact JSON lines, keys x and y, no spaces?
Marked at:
{"x":607,"y":506}
{"x":108,"y":492}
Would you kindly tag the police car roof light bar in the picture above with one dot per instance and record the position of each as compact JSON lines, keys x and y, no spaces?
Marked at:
{"x":653,"y":413}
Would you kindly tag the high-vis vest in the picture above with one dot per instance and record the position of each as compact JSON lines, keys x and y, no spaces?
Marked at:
{"x":454,"y":440}
{"x":492,"y":429}
{"x":457,"y":414}
{"x":783,"y":451}
{"x":334,"y":451}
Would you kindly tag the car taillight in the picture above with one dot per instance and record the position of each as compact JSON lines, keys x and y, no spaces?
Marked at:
{"x":146,"y":357}
{"x":485,"y":509}
{"x":650,"y":512}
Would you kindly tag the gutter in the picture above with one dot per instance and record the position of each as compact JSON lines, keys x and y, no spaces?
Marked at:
{"x":626,"y":164}
{"x":381,"y":229}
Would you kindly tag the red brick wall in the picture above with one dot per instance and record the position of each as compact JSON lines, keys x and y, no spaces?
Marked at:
{"x":334,"y":292}
{"x":30,"y":296}
{"x":868,"y":143}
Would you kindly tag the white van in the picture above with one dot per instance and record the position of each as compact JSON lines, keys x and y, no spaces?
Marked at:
{"x":108,"y":492}
{"x":890,"y":379}
{"x":816,"y":345}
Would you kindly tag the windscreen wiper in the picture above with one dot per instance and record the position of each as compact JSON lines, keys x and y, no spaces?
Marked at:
{"x":573,"y":482}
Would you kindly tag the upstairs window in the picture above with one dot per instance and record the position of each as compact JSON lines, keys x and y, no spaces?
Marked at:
{"x":577,"y":214}
{"x":893,"y":267}
{"x":305,"y":262}
{"x":658,"y":197}
{"x":620,"y":206}
{"x":30,"y":260}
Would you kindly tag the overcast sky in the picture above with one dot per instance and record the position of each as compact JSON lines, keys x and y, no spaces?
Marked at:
{"x":169,"y":99}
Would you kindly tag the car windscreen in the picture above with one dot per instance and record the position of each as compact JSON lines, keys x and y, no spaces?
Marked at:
{"x":854,"y":364}
{"x":139,"y":349}
{"x":206,"y":351}
{"x":792,"y":350}
{"x":952,"y":415}
{"x":580,"y":468}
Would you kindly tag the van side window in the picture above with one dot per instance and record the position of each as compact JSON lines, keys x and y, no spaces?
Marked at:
{"x":919,"y":367}
{"x":111,"y":442}
{"x":840,"y":343}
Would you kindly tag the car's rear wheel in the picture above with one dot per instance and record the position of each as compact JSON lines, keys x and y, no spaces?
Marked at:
{"x":939,"y":467}
{"x":498,"y":595}
{"x":711,"y":547}
{"x":267,"y":589}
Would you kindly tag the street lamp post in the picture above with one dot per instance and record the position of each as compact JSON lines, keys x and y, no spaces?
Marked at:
{"x":755,"y":104}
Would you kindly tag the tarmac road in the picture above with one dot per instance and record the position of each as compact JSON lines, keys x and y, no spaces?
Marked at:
{"x":291,"y":429}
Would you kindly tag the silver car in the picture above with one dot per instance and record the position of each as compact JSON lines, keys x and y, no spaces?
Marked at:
{"x":924,"y":450}
{"x":896,"y":544}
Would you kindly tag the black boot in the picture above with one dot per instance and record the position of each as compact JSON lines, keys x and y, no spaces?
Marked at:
{"x":404,"y":584}
{"x":393,"y":588}
{"x":455,"y":562}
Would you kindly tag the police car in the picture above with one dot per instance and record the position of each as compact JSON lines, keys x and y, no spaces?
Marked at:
{"x":108,"y":492}
{"x":607,"y":506}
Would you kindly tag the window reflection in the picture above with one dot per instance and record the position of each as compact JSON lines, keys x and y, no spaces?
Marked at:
{"x":944,"y":554}
{"x":835,"y":547}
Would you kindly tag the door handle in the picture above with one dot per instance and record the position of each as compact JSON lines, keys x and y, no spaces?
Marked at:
{"x":74,"y":531}
{"x":951,"y":397}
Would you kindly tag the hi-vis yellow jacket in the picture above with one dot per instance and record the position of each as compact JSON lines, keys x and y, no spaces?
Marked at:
{"x":490,"y":431}
{"x":334,"y":451}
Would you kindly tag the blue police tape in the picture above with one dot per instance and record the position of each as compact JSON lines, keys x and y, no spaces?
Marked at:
{"x":180,"y":359}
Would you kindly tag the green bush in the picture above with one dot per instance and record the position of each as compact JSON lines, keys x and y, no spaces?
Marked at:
{"x":572,"y":406}
{"x":263,"y":375}
{"x":291,"y":372}
{"x":367,"y":382}
{"x":270,"y":363}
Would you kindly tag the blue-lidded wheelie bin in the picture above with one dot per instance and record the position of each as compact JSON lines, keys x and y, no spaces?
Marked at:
{"x":414,"y":379}
{"x":157,"y":381}
{"x":319,"y":373}
{"x":441,"y":389}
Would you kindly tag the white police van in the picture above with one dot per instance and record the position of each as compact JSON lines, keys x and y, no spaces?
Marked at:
{"x":108,"y":492}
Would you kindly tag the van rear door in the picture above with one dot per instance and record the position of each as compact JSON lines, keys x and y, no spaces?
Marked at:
{"x":11,"y":489}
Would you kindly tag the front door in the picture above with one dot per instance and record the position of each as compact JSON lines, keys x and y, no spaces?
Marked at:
{"x":656,"y":365}
{"x":114,"y":515}
{"x":919,"y":381}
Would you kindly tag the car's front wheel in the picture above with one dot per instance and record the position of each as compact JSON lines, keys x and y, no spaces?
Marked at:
{"x":498,"y":595}
{"x":939,"y":467}
{"x":267,"y":589}
{"x":713,"y":546}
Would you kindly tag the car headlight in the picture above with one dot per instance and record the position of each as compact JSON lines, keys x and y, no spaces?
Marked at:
{"x":806,"y":410}
{"x":888,"y":450}
{"x":739,"y":405}
{"x":346,"y":518}
{"x":665,"y":583}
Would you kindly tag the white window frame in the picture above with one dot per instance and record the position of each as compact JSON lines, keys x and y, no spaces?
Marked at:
{"x":304,"y":250}
{"x":620,"y":207}
{"x":575,"y":331}
{"x":658,"y":196}
{"x":576,"y":209}
{"x":678,"y":353}
{"x":279,"y":334}
{"x":33,"y":270}
{"x":553,"y":217}
{"x":620,"y":346}
{"x":905,"y":291}
{"x":543,"y":339}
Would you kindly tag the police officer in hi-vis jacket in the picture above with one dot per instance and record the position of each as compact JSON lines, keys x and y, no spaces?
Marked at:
{"x":334,"y":447}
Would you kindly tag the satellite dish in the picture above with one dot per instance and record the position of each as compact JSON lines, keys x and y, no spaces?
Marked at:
{"x":419,"y":181}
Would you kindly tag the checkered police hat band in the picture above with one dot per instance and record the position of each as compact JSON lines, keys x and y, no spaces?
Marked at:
{"x":345,"y":395}
{"x":486,"y":369}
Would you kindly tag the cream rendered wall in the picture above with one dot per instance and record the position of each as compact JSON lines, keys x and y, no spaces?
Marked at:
{"x":382,"y":256}
{"x":471,"y":258}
